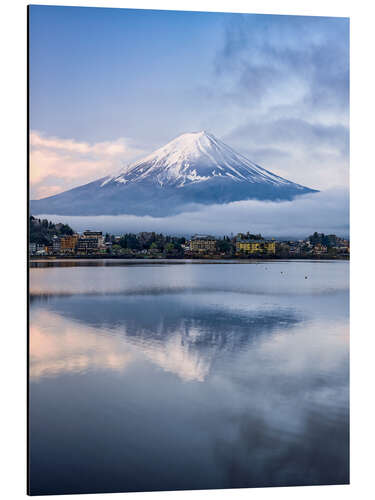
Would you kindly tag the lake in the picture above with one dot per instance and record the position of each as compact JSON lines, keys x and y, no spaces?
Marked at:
{"x":163,"y":375}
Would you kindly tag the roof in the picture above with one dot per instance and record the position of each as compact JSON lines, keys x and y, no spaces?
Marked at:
{"x":202,"y":237}
{"x":253,"y":241}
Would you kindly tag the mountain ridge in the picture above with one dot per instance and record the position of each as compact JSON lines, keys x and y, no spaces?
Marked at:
{"x":194,"y":168}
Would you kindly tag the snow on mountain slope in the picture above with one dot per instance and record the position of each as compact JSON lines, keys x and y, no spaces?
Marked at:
{"x":192,"y":158}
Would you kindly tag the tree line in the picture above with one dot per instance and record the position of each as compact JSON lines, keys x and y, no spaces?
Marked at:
{"x":148,"y":241}
{"x":43,"y":230}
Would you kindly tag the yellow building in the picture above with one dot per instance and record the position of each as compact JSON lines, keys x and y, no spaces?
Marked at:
{"x":256,"y":246}
{"x":68,"y":243}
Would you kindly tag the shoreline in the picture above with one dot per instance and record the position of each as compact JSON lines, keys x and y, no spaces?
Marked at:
{"x":201,"y":259}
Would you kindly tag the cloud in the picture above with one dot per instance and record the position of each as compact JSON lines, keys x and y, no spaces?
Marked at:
{"x":297,"y":132}
{"x":70,"y":348}
{"x":58,"y":164}
{"x":326,"y":212}
{"x":265,"y":55}
{"x":284,"y":83}
{"x":313,"y":154}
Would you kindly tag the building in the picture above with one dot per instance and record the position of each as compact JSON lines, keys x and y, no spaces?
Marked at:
{"x":294,"y":247}
{"x":319,"y":249}
{"x":94,"y":235}
{"x":256,"y":246}
{"x":48,"y":249}
{"x":87,"y":245}
{"x":203,"y":244}
{"x":68,"y":243}
{"x":40,"y":249}
{"x":36,"y":248}
{"x":56,"y":244}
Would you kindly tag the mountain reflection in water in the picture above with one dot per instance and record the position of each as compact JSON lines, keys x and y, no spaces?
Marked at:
{"x":171,"y":388}
{"x":106,"y":332}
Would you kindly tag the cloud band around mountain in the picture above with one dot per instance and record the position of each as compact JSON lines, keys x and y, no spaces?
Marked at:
{"x":327,"y":211}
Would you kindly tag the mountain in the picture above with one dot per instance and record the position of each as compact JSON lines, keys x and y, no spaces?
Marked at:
{"x":195,"y":168}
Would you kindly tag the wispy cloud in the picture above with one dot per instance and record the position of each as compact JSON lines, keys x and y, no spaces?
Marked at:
{"x":285,"y":80}
{"x":263,"y":55}
{"x":58,"y":164}
{"x":313,"y":154}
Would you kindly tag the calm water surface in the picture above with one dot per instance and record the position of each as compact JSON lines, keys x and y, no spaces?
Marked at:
{"x":158,"y":376}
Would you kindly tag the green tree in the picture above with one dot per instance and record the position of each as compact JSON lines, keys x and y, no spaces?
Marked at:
{"x":169,"y":247}
{"x":223,"y":246}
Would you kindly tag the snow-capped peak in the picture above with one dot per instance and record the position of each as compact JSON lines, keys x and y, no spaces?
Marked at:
{"x":191,"y":158}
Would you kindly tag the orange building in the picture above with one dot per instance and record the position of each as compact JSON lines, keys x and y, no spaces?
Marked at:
{"x":68,"y":243}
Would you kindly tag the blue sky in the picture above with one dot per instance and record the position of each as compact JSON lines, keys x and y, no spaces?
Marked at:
{"x":109,"y":85}
{"x":101,"y":73}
